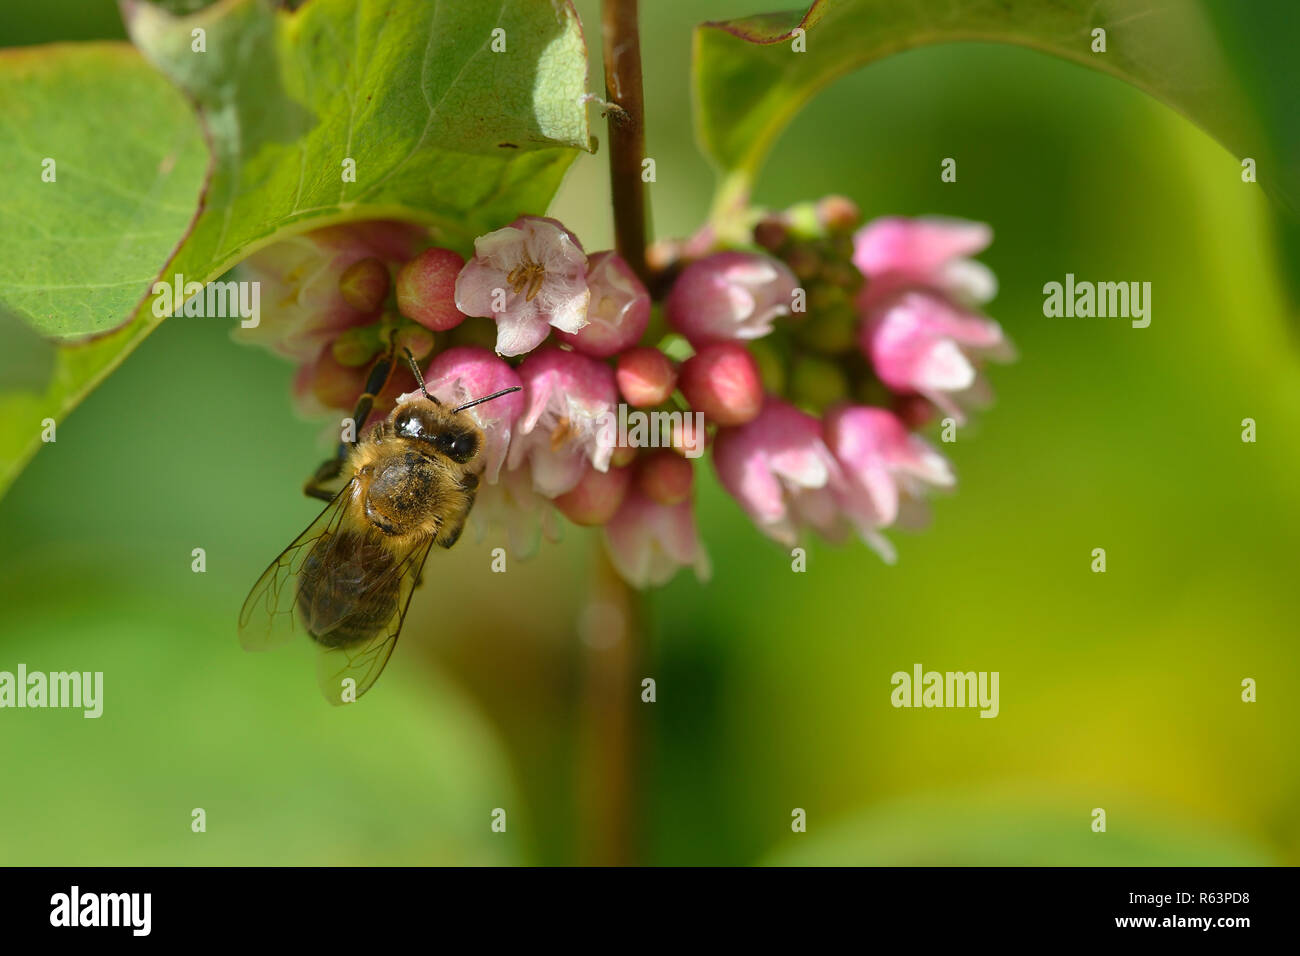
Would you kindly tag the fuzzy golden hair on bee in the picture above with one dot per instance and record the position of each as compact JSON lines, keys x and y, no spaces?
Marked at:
{"x":415,"y":475}
{"x":347,"y":580}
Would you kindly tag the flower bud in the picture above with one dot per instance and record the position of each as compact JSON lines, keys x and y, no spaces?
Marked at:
{"x":729,"y":295}
{"x":596,"y":496}
{"x":817,"y":382}
{"x":838,"y":214}
{"x":357,"y":345}
{"x":722,"y":381}
{"x":334,"y":385}
{"x":416,"y":338}
{"x":623,"y":455}
{"x":364,"y":284}
{"x":804,"y":222}
{"x":646,"y":377}
{"x":805,"y":262}
{"x":617,"y":312}
{"x":666,"y":477}
{"x":915,"y":411}
{"x":771,"y":233}
{"x":426,"y":289}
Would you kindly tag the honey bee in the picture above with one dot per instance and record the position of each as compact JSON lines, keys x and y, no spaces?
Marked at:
{"x":347,"y":580}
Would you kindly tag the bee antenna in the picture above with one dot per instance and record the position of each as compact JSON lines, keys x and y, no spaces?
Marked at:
{"x":488,"y":398}
{"x":418,"y":377}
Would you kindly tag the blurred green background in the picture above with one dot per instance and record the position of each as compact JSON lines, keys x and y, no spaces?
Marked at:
{"x":1118,"y":690}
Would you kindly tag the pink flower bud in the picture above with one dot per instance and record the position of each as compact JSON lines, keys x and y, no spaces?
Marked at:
{"x":596,"y":496}
{"x":426,"y":289}
{"x":722,"y":381}
{"x":886,"y":470}
{"x":364,"y":284}
{"x":921,"y":342}
{"x":618,"y":311}
{"x":666,"y":477}
{"x":895,"y":253}
{"x":837,"y":214}
{"x":729,"y":295}
{"x":780,"y":470}
{"x":646,"y":377}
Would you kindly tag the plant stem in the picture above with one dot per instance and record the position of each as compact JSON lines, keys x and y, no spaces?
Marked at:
{"x":622,"y":54}
{"x":612,"y":628}
{"x":609,"y":736}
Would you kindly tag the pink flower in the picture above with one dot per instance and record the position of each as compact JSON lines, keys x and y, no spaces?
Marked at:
{"x":896,"y":253}
{"x":782,"y":473}
{"x":303,"y":308}
{"x":886,"y":470}
{"x":649,"y":541}
{"x":568,"y":419}
{"x":527,"y":277}
{"x":511,"y":507}
{"x":618,"y":312}
{"x":467,"y":372}
{"x":729,"y":295}
{"x":919,"y":329}
{"x":921,"y":342}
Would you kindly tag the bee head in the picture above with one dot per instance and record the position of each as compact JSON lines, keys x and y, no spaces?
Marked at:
{"x":424,"y":420}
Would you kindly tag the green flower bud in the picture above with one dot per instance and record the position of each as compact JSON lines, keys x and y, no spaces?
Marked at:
{"x":364,"y":284}
{"x":817,"y":382}
{"x":358,"y":345}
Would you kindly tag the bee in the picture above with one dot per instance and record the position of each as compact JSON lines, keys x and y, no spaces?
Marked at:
{"x":347,"y":580}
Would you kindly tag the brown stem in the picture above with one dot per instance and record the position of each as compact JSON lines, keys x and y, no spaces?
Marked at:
{"x":626,"y":112}
{"x":611,"y":635}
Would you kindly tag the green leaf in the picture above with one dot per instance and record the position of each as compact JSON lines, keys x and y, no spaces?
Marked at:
{"x":444,"y":131}
{"x":79,"y":253}
{"x":750,"y":82}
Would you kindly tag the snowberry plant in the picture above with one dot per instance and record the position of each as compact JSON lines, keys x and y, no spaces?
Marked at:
{"x":381,"y":172}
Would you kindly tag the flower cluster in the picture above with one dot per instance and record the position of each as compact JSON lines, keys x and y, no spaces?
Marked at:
{"x":811,"y":354}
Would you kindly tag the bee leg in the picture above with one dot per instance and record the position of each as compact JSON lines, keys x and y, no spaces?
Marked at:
{"x":322,"y":482}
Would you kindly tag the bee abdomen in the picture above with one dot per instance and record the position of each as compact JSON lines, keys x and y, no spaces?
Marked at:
{"x":346,"y":598}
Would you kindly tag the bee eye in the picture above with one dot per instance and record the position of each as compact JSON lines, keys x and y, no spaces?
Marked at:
{"x":408,"y":426}
{"x":460,"y":448}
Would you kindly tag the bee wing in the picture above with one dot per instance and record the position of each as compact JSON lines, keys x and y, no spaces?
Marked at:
{"x":362,"y":663}
{"x":269,"y":616}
